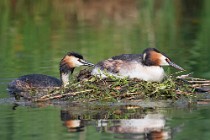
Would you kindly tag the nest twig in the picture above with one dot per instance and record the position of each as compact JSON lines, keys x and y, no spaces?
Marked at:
{"x":113,"y":89}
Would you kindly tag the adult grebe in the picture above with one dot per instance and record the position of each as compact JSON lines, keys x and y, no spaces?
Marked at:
{"x":146,"y":66}
{"x":67,"y":65}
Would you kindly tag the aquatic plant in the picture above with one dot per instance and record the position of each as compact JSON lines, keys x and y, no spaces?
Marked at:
{"x":113,"y":89}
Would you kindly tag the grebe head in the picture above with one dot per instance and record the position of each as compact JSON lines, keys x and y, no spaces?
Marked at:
{"x":153,"y":57}
{"x":70,"y":61}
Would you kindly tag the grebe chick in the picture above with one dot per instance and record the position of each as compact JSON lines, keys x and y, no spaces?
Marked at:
{"x":70,"y":61}
{"x":146,"y":66}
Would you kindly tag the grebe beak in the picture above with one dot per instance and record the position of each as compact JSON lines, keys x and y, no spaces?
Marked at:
{"x":174,"y":65}
{"x":86,"y":63}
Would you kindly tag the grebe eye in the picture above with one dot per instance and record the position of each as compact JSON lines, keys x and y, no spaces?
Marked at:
{"x":167,"y":60}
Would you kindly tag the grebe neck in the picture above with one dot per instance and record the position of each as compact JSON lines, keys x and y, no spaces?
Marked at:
{"x":64,"y":76}
{"x":65,"y":79}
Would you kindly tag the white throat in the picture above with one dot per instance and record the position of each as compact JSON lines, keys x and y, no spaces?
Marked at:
{"x":65,"y":79}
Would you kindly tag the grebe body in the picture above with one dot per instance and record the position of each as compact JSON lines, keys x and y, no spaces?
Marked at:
{"x":146,"y":66}
{"x":70,"y":61}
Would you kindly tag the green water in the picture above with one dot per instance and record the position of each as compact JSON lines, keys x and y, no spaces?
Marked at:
{"x":34,"y":36}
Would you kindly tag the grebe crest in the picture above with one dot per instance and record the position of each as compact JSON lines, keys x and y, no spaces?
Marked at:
{"x":67,"y":65}
{"x":146,"y":66}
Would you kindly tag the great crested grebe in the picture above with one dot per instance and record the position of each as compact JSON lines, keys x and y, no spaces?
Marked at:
{"x":146,"y":66}
{"x":70,"y":61}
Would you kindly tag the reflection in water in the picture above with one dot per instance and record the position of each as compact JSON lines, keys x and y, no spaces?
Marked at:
{"x":122,"y":122}
{"x":73,"y":124}
{"x":149,"y":127}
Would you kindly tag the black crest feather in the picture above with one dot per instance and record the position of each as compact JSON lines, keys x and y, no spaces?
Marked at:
{"x":75,"y":55}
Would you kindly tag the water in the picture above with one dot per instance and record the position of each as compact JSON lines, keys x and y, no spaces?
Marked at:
{"x":104,"y":121}
{"x":34,"y":36}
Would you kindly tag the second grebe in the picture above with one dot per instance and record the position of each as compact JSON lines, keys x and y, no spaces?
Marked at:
{"x":146,"y":66}
{"x":67,"y":65}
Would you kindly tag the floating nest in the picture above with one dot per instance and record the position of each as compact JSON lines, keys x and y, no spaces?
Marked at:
{"x":87,"y":88}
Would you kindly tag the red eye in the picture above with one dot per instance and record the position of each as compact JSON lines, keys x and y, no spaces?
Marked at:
{"x":167,"y":60}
